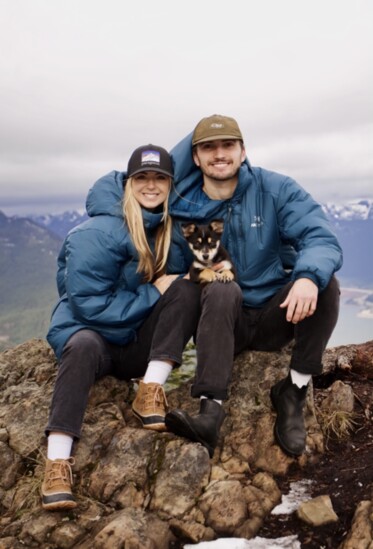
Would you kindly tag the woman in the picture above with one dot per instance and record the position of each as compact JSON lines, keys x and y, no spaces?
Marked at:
{"x":119,"y":307}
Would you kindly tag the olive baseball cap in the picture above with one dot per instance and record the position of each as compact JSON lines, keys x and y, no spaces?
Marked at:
{"x":150,"y":158}
{"x":216,"y":127}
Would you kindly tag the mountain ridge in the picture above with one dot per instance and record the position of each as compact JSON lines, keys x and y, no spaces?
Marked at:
{"x":352,"y":222}
{"x":27,"y":279}
{"x":29,"y":247}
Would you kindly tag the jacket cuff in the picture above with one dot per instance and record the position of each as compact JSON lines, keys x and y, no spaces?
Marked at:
{"x":307,"y":274}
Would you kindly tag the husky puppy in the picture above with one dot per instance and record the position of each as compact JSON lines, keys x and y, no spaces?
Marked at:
{"x":204,"y":241}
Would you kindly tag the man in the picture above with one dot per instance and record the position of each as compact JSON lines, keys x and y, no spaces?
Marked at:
{"x":285,"y":254}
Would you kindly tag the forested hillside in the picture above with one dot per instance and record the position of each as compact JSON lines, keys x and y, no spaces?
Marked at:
{"x":27,"y":279}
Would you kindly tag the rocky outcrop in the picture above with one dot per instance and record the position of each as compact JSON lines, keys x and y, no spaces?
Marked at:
{"x":361,"y":533}
{"x":138,"y":488}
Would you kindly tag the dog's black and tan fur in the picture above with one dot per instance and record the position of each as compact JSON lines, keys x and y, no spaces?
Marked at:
{"x":204,"y":241}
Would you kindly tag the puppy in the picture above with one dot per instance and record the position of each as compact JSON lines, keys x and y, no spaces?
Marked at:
{"x":204,"y":241}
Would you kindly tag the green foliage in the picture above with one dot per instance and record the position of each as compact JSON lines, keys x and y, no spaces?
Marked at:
{"x":186,"y":371}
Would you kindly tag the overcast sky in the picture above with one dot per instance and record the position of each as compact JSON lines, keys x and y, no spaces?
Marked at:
{"x":84,"y":82}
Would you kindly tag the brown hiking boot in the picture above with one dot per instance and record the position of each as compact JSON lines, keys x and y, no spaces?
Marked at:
{"x":150,"y":406}
{"x":56,"y":487}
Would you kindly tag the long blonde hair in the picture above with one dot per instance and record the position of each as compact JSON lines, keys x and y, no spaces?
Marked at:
{"x":152,"y":265}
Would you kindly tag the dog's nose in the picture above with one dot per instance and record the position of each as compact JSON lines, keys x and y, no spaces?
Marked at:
{"x":205,"y":256}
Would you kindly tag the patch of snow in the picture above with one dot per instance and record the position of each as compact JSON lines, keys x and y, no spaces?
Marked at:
{"x":288,"y":542}
{"x":299,"y":492}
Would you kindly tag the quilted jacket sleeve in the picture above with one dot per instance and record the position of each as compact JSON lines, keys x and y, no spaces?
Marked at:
{"x":97,"y":291}
{"x":304,"y":225}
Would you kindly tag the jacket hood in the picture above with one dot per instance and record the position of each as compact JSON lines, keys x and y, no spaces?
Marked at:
{"x":105,"y":197}
{"x":182,"y":159}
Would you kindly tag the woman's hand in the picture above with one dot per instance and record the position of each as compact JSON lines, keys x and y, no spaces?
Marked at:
{"x":164,"y":282}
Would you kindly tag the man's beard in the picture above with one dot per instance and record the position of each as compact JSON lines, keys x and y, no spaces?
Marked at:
{"x":223,"y":177}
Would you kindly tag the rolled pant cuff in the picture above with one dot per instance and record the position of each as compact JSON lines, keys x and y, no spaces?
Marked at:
{"x":312,"y":369}
{"x":218,"y":394}
{"x":64,"y":430}
{"x":177,"y":360}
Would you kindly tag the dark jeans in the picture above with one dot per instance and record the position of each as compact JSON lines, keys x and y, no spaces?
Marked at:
{"x":87,"y":356}
{"x":226,"y":328}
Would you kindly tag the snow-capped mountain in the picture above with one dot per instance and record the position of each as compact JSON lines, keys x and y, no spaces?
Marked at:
{"x":358,"y":210}
{"x":352,"y":222}
{"x":60,"y":224}
{"x":338,"y":213}
{"x":29,"y":248}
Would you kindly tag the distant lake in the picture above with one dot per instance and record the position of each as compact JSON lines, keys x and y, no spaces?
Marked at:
{"x":351,"y":328}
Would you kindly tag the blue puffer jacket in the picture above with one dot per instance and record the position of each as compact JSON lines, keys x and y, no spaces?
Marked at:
{"x":97,"y":281}
{"x":274,"y":230}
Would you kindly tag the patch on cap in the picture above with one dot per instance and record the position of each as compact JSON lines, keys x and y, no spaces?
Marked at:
{"x":150,"y":157}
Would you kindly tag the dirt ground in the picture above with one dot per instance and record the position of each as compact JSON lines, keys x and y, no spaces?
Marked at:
{"x":344,"y":471}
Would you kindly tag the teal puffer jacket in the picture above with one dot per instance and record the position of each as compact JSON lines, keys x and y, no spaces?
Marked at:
{"x":274,"y":230}
{"x":97,"y":281}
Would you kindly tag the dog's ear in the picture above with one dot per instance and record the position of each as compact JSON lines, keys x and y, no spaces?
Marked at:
{"x":217,"y":225}
{"x":188,"y":229}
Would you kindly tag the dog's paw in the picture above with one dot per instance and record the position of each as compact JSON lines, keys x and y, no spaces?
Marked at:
{"x":208,"y":275}
{"x":226,"y":276}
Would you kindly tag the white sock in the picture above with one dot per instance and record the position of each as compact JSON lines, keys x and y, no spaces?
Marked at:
{"x":300,"y":380}
{"x":59,"y":446}
{"x":218,"y":401}
{"x":157,"y":372}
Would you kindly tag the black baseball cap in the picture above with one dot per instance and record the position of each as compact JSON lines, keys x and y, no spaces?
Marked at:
{"x":150,"y":158}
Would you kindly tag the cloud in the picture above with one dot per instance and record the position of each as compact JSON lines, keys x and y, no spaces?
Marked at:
{"x":85,"y":83}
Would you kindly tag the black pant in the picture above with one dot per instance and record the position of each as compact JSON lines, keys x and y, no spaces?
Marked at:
{"x":226,"y":328}
{"x":87,"y":356}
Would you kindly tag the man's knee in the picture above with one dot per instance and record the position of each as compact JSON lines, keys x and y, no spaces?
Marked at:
{"x":187,"y":293}
{"x":219,"y":295}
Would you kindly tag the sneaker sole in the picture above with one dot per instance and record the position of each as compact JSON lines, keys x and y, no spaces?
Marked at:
{"x":57,"y":505}
{"x":153,"y":422}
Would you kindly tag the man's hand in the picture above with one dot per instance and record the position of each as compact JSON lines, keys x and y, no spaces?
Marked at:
{"x":217,"y":266}
{"x":301,"y":301}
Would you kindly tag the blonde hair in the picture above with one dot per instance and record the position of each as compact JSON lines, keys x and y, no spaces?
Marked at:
{"x":152,"y":265}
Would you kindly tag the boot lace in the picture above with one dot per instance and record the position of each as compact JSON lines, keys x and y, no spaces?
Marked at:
{"x":154,"y":398}
{"x":60,"y":471}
